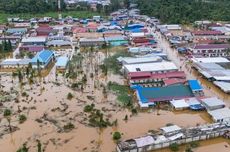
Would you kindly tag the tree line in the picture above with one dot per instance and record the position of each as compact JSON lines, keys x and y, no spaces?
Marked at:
{"x":186,"y":11}
{"x":29,"y":6}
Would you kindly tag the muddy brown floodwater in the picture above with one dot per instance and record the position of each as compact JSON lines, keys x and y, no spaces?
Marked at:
{"x":48,"y":110}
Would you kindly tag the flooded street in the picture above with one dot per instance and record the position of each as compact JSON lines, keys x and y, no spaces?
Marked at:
{"x":48,"y":110}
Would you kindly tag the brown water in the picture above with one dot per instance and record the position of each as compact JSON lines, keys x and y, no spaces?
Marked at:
{"x":52,"y":101}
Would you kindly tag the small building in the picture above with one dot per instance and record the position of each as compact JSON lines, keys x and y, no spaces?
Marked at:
{"x":212,"y":103}
{"x":62,"y":63}
{"x":196,"y":87}
{"x":220,"y":115}
{"x":117,"y":40}
{"x":44,"y":58}
{"x":39,"y":40}
{"x":194,"y":104}
{"x":58,"y":43}
{"x":138,"y":60}
{"x":14,"y":63}
{"x":179,"y":104}
{"x":170,"y":129}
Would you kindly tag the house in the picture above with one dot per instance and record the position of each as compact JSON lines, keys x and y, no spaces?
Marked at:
{"x":38,"y":40}
{"x":58,"y":43}
{"x":211,"y":50}
{"x":157,"y":67}
{"x":44,"y":30}
{"x":220,"y":115}
{"x":212,"y":103}
{"x":61,"y":63}
{"x":87,"y":42}
{"x":138,"y":60}
{"x":43,"y":58}
{"x":14,"y":63}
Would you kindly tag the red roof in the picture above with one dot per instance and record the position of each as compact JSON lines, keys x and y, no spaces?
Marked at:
{"x":148,"y":75}
{"x":174,"y":81}
{"x":207,"y":33}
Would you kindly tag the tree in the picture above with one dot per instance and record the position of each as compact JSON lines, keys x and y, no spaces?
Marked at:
{"x":116,"y":136}
{"x":7,"y":115}
{"x":99,"y":8}
{"x":39,"y":146}
{"x":23,"y":149}
{"x":22,"y":118}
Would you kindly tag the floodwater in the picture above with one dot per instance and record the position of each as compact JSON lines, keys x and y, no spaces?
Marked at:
{"x":48,"y":110}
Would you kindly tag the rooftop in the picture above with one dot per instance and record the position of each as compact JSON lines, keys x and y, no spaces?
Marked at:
{"x":42,"y":56}
{"x":195,"y":85}
{"x":151,"y":67}
{"x":212,"y":101}
{"x":220,"y":114}
{"x":211,"y":60}
{"x":171,"y":92}
{"x":212,"y":46}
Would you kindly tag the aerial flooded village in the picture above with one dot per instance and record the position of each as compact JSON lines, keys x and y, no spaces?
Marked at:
{"x":114,"y":76}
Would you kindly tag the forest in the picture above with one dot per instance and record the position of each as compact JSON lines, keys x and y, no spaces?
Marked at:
{"x":29,"y":6}
{"x":186,"y":11}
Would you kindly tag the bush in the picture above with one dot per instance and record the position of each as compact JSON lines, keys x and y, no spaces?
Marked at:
{"x":69,"y":96}
{"x":89,"y":108}
{"x":7,"y":112}
{"x":22,"y":118}
{"x":68,"y":126}
{"x":24,"y":94}
{"x":116,"y":135}
{"x":174,"y":147}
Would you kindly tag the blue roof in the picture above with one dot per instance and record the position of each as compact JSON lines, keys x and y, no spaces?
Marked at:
{"x":62,"y":61}
{"x":42,"y":56}
{"x":195,"y":85}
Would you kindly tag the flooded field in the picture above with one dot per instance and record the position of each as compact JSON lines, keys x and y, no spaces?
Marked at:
{"x":48,"y":110}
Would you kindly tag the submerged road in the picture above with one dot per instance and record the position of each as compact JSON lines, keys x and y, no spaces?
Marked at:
{"x":182,"y":63}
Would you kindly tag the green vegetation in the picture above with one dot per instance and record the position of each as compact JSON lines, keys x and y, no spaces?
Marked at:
{"x":116,"y":135}
{"x":69,"y":96}
{"x":194,"y":144}
{"x":110,"y":63}
{"x":122,"y":92}
{"x":22,"y":118}
{"x":7,"y":112}
{"x":186,"y":11}
{"x":23,"y":149}
{"x":96,"y":117}
{"x":39,"y":146}
{"x":174,"y":147}
{"x":69,"y":126}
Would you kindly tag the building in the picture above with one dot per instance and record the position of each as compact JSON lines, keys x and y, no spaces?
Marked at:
{"x":31,"y":48}
{"x":87,"y":42}
{"x":196,"y":87}
{"x":138,"y":60}
{"x":117,"y":40}
{"x":62,"y":63}
{"x":44,"y":30}
{"x":148,"y":96}
{"x":58,"y":43}
{"x":43,"y":58}
{"x":179,"y":104}
{"x":16,"y":31}
{"x":220,"y":115}
{"x":39,"y":40}
{"x":14,"y":63}
{"x":212,"y":103}
{"x":211,"y":50}
{"x":157,"y":67}
{"x":147,"y":79}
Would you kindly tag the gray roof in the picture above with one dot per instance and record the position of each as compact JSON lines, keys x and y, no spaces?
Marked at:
{"x":213,"y":101}
{"x":13,"y":62}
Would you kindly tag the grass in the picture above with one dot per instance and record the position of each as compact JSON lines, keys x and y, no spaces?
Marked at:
{"x":122,"y":92}
{"x":75,"y":14}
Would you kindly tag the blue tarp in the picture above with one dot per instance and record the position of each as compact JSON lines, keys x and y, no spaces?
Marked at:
{"x":197,"y":107}
{"x":195,"y":85}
